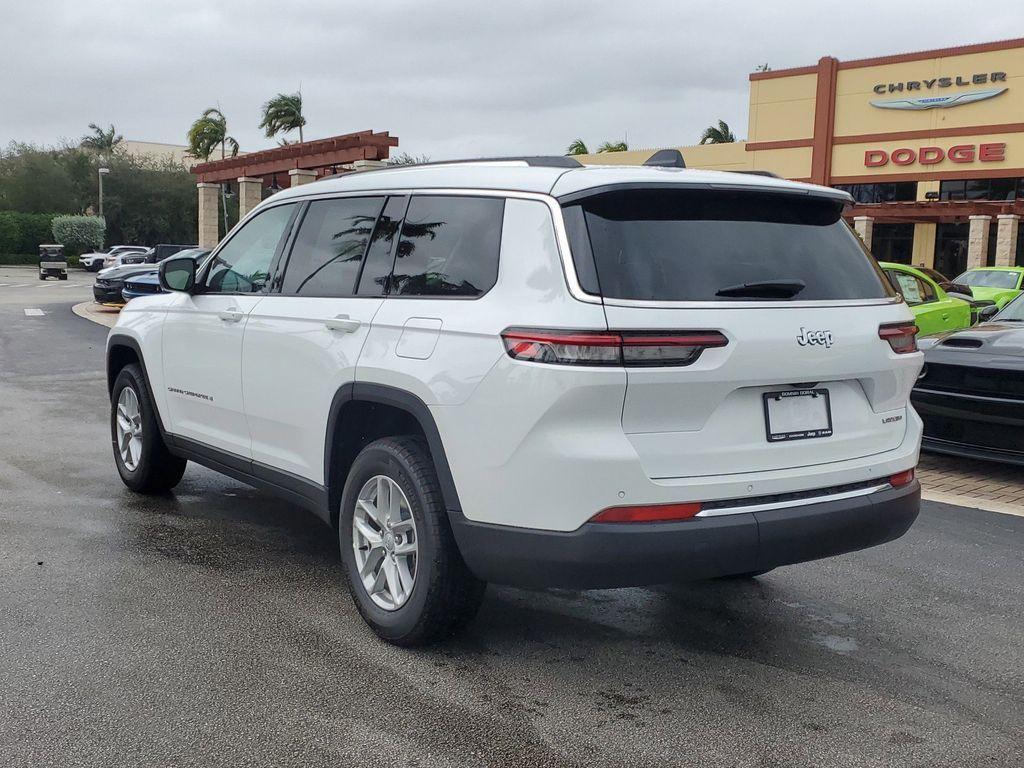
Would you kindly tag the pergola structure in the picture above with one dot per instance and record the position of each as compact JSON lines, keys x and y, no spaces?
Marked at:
{"x":981,"y":215}
{"x":274,"y":169}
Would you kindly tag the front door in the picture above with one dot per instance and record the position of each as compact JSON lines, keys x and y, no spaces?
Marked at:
{"x":202,"y":335}
{"x":303,"y":341}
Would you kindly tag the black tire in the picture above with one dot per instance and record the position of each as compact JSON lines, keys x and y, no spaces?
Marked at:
{"x":63,"y":277}
{"x":445,"y":595}
{"x":42,"y":276}
{"x":157,"y":470}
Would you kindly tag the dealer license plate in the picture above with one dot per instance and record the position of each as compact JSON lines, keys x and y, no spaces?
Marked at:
{"x":797,"y":414}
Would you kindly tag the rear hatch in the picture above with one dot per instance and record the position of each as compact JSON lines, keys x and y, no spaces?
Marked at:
{"x":805,"y":377}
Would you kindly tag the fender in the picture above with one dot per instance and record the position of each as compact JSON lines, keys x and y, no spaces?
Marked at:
{"x":124,"y":340}
{"x":402,"y":400}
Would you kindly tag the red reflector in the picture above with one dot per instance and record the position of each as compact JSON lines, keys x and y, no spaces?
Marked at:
{"x":902,"y":337}
{"x":656,"y":513}
{"x":902,"y":478}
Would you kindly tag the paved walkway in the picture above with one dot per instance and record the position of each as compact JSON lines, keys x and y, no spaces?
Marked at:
{"x":972,"y":483}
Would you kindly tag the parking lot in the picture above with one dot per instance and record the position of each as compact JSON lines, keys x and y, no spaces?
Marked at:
{"x":212,"y":626}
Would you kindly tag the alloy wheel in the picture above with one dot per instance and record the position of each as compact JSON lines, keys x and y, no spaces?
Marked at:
{"x":129,"y":428}
{"x":385,"y":543}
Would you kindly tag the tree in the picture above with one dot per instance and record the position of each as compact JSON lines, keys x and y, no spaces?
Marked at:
{"x":100,"y":140}
{"x":283,"y":114}
{"x":404,"y":158}
{"x":717,"y":135}
{"x":209,"y":132}
{"x":613,"y":146}
{"x":577,"y":148}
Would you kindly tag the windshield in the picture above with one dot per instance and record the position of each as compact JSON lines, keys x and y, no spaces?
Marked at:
{"x":1012,"y":312}
{"x":934,"y":274}
{"x":989,"y":278}
{"x":717,"y":245}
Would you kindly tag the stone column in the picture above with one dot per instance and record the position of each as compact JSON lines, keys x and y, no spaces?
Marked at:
{"x":368,"y":165}
{"x":209,"y":214}
{"x":250,"y":194}
{"x":301,"y":176}
{"x":864,"y":226}
{"x":977,"y":241}
{"x":1006,"y":239}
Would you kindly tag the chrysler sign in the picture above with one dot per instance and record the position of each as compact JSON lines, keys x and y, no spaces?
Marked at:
{"x":921,"y":94}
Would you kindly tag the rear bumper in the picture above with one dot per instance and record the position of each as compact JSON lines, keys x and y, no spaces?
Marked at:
{"x":600,"y":555}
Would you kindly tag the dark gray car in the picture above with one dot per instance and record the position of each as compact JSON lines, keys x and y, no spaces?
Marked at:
{"x":970,"y":393}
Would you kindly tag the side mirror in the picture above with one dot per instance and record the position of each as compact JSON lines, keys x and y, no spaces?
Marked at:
{"x":987,"y":313}
{"x":178,"y":274}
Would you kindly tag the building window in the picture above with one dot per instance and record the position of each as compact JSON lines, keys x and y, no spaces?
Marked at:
{"x":893,"y":242}
{"x":890,"y":192}
{"x":982,"y":189}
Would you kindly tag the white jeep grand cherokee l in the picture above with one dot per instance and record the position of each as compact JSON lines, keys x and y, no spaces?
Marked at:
{"x":535,"y":374}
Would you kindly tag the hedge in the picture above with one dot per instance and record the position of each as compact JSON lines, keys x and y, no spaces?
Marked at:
{"x":77,"y":233}
{"x":21,"y":233}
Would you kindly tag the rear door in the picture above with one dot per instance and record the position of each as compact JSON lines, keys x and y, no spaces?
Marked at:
{"x":804,"y":377}
{"x":302,"y":342}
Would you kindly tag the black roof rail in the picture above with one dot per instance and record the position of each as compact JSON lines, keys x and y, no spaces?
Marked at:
{"x":535,"y":161}
{"x":760,"y":173}
{"x":666,"y":158}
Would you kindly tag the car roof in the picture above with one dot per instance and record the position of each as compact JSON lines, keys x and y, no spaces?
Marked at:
{"x":995,"y":269}
{"x":519,"y":176}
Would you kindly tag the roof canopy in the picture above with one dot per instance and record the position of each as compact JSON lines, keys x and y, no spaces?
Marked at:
{"x":310,"y":155}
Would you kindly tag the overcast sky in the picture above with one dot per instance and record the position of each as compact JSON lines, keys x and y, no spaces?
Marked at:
{"x":451,"y":79}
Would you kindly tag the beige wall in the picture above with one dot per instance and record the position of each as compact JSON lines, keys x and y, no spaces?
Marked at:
{"x":156,"y":151}
{"x":782,"y":108}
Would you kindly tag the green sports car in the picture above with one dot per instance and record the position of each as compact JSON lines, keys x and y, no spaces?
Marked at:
{"x":998,"y":284}
{"x":934,"y":310}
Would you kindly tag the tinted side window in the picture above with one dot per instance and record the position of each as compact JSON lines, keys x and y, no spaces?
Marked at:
{"x":449,"y":246}
{"x":377,"y":269}
{"x":329,"y":247}
{"x":243,"y":264}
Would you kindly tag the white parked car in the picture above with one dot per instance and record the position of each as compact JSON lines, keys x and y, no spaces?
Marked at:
{"x":535,"y":373}
{"x":94,"y":262}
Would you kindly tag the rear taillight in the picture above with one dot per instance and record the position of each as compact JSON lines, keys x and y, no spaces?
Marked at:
{"x":609,"y":348}
{"x":902,"y":478}
{"x":902,"y":337}
{"x":652,"y":513}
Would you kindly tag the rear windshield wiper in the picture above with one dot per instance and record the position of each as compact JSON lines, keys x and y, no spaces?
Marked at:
{"x":766,"y":289}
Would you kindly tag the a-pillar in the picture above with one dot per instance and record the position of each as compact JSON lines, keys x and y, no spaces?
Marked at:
{"x":209,"y":214}
{"x":250,"y":194}
{"x":301,"y":176}
{"x":864,"y":226}
{"x":1006,"y":239}
{"x":977,"y":241}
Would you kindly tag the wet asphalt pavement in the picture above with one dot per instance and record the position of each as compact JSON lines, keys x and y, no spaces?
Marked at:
{"x":211,"y":627}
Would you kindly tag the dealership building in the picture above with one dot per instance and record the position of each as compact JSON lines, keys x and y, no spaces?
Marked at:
{"x":930,"y":145}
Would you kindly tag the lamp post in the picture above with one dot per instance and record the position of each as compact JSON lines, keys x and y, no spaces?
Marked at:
{"x":101,"y":173}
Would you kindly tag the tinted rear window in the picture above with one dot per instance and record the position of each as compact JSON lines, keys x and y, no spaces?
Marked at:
{"x":686,"y":245}
{"x":449,"y":246}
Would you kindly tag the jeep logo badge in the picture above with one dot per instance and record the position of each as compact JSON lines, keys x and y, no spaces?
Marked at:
{"x":814,"y":337}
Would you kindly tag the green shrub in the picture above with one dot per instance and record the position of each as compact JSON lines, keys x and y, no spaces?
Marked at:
{"x":77,"y":233}
{"x":21,"y":233}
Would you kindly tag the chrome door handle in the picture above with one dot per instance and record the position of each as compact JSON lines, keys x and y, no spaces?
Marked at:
{"x":342,"y":323}
{"x":231,"y":315}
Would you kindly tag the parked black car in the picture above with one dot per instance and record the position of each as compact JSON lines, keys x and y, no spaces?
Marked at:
{"x":971,"y":391}
{"x":148,"y":283}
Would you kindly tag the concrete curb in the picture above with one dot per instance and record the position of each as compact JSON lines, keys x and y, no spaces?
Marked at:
{"x":96,"y":313}
{"x":973,"y":502}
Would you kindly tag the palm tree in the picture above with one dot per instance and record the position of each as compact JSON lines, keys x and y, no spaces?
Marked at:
{"x":283,"y":114}
{"x":577,"y":148}
{"x":100,"y":140}
{"x":209,"y":131}
{"x":720,"y":135}
{"x":613,"y":146}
